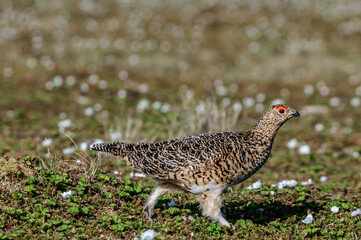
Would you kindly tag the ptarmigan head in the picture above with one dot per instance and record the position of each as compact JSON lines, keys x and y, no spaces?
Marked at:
{"x":274,"y":118}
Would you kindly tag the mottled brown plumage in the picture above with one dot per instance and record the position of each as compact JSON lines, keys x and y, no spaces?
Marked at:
{"x":206,"y":164}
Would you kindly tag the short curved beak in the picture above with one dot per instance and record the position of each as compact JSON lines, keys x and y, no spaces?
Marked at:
{"x":296,"y":114}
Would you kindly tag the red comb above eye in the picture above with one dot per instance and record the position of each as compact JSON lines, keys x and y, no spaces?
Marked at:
{"x":281,"y":107}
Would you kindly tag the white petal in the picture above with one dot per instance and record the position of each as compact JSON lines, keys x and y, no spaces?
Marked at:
{"x":47,"y":142}
{"x":66,"y":194}
{"x":355,"y":213}
{"x":148,"y":235}
{"x":308,"y":219}
{"x":334,"y":209}
{"x":323,"y":178}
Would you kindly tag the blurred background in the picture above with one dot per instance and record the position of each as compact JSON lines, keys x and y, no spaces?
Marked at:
{"x":77,"y":72}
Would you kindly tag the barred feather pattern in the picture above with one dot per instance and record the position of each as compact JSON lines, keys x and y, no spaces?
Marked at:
{"x":206,"y":163}
{"x":223,"y":158}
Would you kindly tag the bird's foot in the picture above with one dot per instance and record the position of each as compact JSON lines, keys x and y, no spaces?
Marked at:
{"x":148,"y":212}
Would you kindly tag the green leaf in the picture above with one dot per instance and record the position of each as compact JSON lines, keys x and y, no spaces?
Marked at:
{"x":124,"y":194}
{"x":64,"y":227}
{"x":51,"y":203}
{"x":30,"y":188}
{"x":106,"y":218}
{"x":73,"y":210}
{"x":108,"y":195}
{"x":240,"y":222}
{"x":46,"y":226}
{"x":137,"y":187}
{"x":16,"y":195}
{"x":31,"y":180}
{"x":117,"y":227}
{"x":85,"y":210}
{"x":43,"y":209}
{"x":178,"y":218}
{"x":173,"y":211}
{"x":116,"y":219}
{"x":103,"y":177}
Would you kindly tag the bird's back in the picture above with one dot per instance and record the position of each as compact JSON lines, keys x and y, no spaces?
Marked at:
{"x":223,"y":158}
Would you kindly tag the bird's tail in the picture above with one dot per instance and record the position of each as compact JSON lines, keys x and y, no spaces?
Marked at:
{"x":115,"y":148}
{"x":125,"y":151}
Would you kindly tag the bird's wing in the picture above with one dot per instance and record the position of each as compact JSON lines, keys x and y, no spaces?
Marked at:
{"x":162,"y":159}
{"x":197,"y":152}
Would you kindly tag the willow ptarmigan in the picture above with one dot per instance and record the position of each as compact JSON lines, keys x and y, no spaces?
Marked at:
{"x":206,"y":164}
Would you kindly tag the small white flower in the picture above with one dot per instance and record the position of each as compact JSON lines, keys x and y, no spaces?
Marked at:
{"x":115,"y":135}
{"x":143,"y":88}
{"x":277,"y":101}
{"x":156,"y":105}
{"x":355,"y":102}
{"x":123,"y":75}
{"x":200,"y":108}
{"x":259,"y":107}
{"x":122,"y":94}
{"x":237,"y":107}
{"x":334,"y":209}
{"x":68,"y":151}
{"x":47,"y":142}
{"x":309,"y":182}
{"x":142,"y":105}
{"x":10,"y":114}
{"x":148,"y":235}
{"x":103,"y":84}
{"x":165,"y":108}
{"x":140,"y":175}
{"x":355,"y":213}
{"x":83,"y":146}
{"x":221,"y":91}
{"x":66,"y":194}
{"x":64,"y":123}
{"x":324,"y":90}
{"x":84,"y":87}
{"x":70,"y":80}
{"x":225,"y":102}
{"x":58,"y":80}
{"x":171,"y":204}
{"x":323,"y":178}
{"x":285,"y":183}
{"x":335,"y":101}
{"x":255,"y":185}
{"x":291,"y":183}
{"x":272,"y":193}
{"x":319,"y":127}
{"x":291,"y":144}
{"x":308,"y":89}
{"x":248,"y":101}
{"x":89,"y":111}
{"x":261,"y":97}
{"x":308,"y":219}
{"x":304,"y":149}
{"x":78,"y":162}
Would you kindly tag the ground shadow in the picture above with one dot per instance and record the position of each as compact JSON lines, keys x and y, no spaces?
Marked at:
{"x":263,"y":213}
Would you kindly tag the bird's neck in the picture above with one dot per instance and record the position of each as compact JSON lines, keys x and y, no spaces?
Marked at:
{"x":266,"y":129}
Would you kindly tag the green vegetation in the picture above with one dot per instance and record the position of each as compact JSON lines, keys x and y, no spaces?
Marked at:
{"x":102,"y":205}
{"x":75,"y":72}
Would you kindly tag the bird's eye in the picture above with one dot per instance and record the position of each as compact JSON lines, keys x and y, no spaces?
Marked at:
{"x":281,"y":109}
